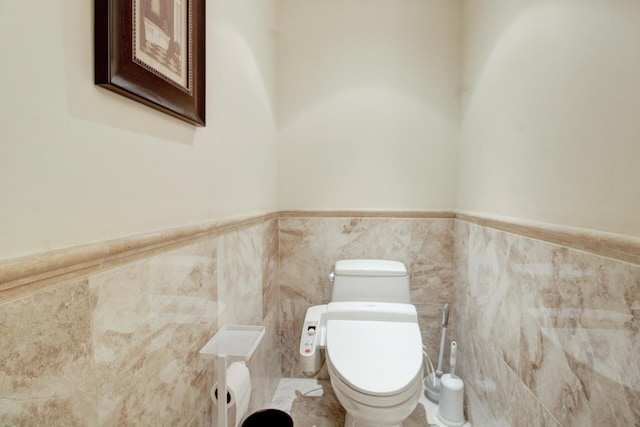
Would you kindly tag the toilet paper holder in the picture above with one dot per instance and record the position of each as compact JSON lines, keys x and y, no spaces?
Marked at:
{"x":232,"y":343}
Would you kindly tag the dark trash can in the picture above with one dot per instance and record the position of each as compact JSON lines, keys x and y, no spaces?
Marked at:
{"x":268,"y":418}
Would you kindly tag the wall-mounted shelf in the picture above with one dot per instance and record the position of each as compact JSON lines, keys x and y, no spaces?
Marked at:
{"x":231,"y":342}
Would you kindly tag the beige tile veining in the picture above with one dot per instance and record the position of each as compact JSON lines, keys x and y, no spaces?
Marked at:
{"x":431,"y":261}
{"x":149,"y":321}
{"x":121,"y":347}
{"x":548,"y":335}
{"x":577,"y":333}
{"x":240,"y":276}
{"x":46,"y":371}
{"x":270,"y":267}
{"x":561,"y":321}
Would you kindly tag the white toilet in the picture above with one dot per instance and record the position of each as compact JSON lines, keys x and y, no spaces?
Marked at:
{"x":370,"y":338}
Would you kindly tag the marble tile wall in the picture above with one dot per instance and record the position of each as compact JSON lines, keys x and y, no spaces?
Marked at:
{"x":548,"y":335}
{"x":310,"y":246}
{"x":120,"y":347}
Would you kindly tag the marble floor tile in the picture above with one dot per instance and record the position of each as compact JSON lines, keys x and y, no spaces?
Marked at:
{"x":312,"y":403}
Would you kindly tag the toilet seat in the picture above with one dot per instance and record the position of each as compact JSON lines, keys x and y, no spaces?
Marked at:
{"x":392,"y":351}
{"x":411,"y":392}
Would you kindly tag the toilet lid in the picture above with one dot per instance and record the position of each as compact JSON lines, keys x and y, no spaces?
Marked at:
{"x":378,"y":358}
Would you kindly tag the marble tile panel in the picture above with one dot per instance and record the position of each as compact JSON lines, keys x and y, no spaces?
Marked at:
{"x":240,"y":282}
{"x":265,"y":365}
{"x":150,"y":319}
{"x":620,"y":247}
{"x":46,"y":373}
{"x":270,"y":270}
{"x":494,"y":296}
{"x":581,"y":334}
{"x":369,"y":238}
{"x":303,"y":264}
{"x":573,"y":318}
{"x":524,"y":410}
{"x":431,"y":261}
{"x":461,"y":236}
{"x":459,"y":310}
{"x":28,"y":274}
{"x":121,"y":347}
{"x":489,"y":384}
{"x":248,"y":271}
{"x":309,"y":248}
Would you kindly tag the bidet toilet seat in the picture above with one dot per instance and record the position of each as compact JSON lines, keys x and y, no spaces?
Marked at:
{"x":377,"y":359}
{"x":372,"y":343}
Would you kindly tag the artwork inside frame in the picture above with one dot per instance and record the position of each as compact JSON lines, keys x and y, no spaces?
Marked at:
{"x":153,"y":51}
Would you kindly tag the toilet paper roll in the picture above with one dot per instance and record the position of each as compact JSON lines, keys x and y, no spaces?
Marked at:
{"x":238,"y":391}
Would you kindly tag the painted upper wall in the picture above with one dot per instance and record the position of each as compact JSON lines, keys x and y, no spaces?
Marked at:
{"x":551,"y":107}
{"x":368,"y":104}
{"x":80,"y":164}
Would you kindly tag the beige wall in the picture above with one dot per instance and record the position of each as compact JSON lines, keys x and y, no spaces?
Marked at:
{"x":368,"y":116}
{"x":80,"y":164}
{"x":368,"y":104}
{"x":550,"y":128}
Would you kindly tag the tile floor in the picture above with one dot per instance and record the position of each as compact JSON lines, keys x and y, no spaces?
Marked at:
{"x":312,"y":403}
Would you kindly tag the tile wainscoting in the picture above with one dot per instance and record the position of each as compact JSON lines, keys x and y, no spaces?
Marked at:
{"x":547,"y":318}
{"x":120,"y":345}
{"x":548,"y":334}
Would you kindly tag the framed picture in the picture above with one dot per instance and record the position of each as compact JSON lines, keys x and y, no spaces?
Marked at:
{"x":153,"y":51}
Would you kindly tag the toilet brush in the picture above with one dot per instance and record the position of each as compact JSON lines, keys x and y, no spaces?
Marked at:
{"x":432,"y":380}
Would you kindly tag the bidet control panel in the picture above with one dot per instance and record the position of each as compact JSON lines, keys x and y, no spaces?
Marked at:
{"x":311,"y":339}
{"x":308,"y":341}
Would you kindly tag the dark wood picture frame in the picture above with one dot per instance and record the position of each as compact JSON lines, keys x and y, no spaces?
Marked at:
{"x":153,"y":51}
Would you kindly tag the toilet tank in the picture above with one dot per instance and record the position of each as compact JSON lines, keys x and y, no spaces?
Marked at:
{"x":370,"y":280}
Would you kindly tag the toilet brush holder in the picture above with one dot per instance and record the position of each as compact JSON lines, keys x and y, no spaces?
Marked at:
{"x":450,"y":410}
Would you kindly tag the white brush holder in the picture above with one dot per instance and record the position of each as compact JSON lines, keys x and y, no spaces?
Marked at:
{"x":451,"y":411}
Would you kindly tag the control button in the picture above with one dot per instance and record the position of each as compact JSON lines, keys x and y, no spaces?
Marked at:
{"x":308,"y":350}
{"x":312,"y":332}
